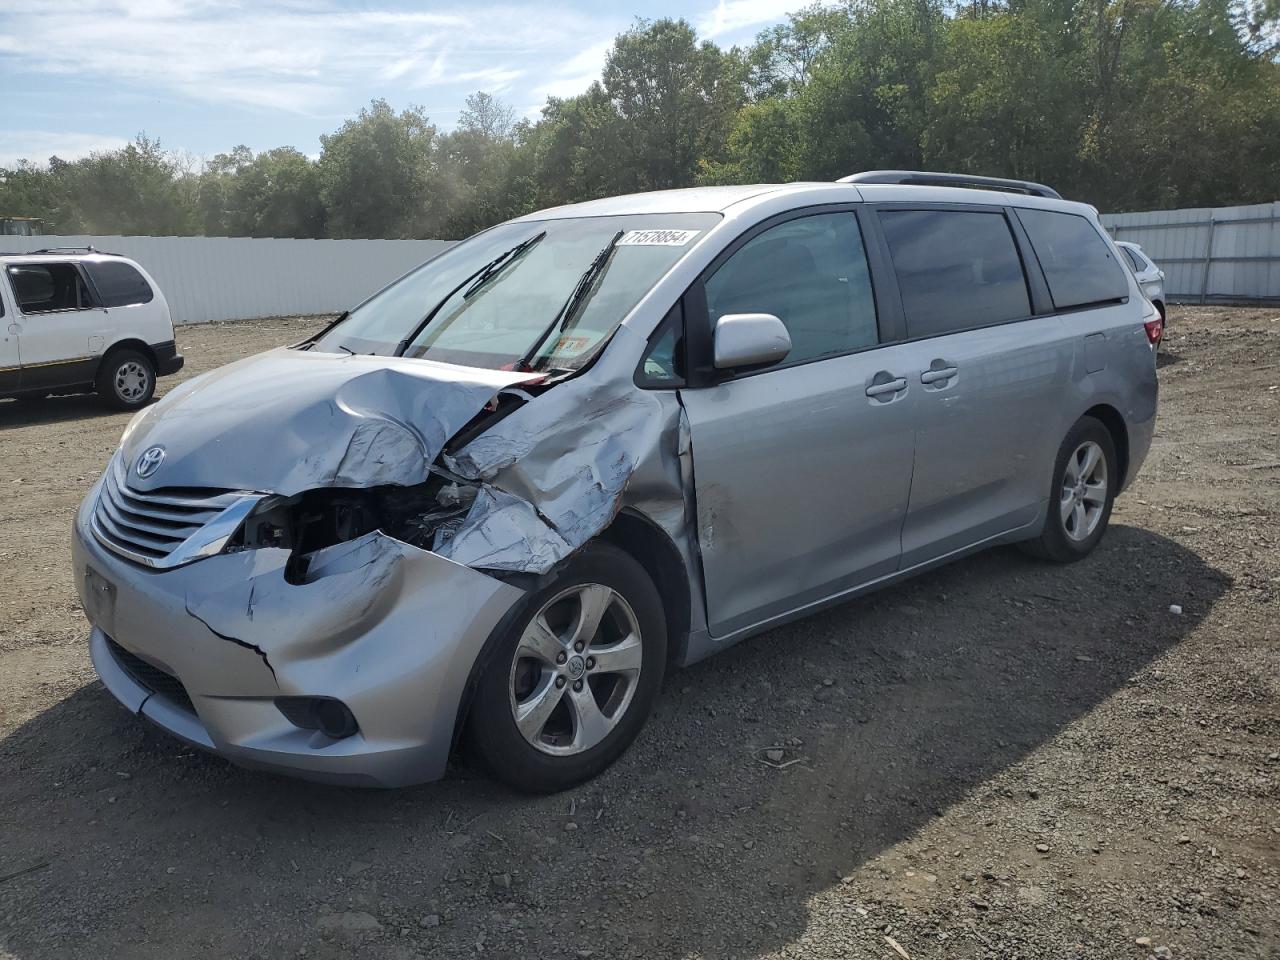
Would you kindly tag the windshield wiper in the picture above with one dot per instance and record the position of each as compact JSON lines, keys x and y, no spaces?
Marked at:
{"x":564,"y":316}
{"x":473,"y":283}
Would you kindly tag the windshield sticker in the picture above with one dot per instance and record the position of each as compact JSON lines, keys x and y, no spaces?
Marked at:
{"x":657,"y":238}
{"x":571,"y":345}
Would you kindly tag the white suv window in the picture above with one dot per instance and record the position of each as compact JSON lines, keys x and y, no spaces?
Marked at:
{"x":119,"y":285}
{"x":48,"y":287}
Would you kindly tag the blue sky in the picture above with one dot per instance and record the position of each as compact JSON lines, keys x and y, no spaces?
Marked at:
{"x":204,"y":75}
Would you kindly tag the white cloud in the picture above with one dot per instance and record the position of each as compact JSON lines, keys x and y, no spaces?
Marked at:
{"x":288,"y":55}
{"x":39,"y":145}
{"x":571,"y":77}
{"x":732,"y":16}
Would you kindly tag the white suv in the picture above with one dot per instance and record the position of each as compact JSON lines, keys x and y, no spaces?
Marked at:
{"x":75,"y":317}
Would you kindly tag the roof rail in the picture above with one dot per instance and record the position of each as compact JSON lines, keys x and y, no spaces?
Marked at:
{"x":929,"y":178}
{"x":46,"y":251}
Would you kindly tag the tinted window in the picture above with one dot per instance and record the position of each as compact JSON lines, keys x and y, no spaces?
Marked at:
{"x":45,"y":287}
{"x":956,"y":269}
{"x":118,"y":283}
{"x":810,"y":273}
{"x":1076,"y":261}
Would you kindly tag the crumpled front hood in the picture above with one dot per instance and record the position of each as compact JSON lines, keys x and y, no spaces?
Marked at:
{"x":287,"y":420}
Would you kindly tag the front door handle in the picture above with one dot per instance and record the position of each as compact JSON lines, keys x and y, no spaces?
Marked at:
{"x":935,"y":374}
{"x":889,"y":386}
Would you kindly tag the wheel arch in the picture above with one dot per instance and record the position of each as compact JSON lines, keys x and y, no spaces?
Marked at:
{"x":651,"y":547}
{"x":129,"y":343}
{"x":1113,"y":420}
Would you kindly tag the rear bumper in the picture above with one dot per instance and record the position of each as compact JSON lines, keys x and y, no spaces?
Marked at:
{"x":168,"y":359}
{"x":204,"y":650}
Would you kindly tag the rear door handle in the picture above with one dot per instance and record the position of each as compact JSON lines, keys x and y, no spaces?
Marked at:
{"x":889,"y":386}
{"x":938,"y":373}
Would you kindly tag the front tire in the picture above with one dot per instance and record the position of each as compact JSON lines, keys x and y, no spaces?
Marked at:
{"x":126,"y":379}
{"x":1085,"y":480}
{"x":574,"y":675}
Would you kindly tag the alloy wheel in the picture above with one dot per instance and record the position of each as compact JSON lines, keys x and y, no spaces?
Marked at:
{"x":1084,"y":491}
{"x":575,"y":669}
{"x":132,"y":380}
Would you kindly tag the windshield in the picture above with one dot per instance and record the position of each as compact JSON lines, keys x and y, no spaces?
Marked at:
{"x":531,"y":295}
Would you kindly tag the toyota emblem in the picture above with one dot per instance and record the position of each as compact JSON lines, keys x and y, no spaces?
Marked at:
{"x":149,"y":462}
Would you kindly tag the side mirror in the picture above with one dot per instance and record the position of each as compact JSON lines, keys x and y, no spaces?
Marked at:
{"x":750,"y":340}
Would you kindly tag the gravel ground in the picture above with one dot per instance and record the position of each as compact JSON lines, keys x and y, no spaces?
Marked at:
{"x":1000,"y":759}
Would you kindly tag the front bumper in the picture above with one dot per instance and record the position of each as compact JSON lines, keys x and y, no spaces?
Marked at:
{"x":204,"y":650}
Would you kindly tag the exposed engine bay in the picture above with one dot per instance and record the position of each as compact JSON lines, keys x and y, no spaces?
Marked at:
{"x":426,"y":516}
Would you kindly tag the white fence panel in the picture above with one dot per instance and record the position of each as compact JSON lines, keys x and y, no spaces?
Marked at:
{"x":1209,"y":254}
{"x":239,"y":278}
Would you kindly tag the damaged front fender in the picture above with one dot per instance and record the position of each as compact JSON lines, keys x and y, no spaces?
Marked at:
{"x":555,"y":473}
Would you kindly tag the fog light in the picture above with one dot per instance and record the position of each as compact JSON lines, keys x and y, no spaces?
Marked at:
{"x":331,"y":717}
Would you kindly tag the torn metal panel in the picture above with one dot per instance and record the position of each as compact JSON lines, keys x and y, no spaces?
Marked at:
{"x":334,"y":421}
{"x":569,"y":456}
{"x":503,"y":532}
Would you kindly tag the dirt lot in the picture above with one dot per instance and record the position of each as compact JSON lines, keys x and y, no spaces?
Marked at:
{"x":1001,"y":759}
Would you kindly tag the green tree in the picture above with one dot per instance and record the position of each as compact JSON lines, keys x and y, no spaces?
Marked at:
{"x":138,"y":189}
{"x":677,"y":99}
{"x":375,"y":173}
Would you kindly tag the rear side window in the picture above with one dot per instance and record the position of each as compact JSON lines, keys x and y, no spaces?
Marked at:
{"x":1133,"y":259}
{"x":811,"y":273}
{"x":956,"y":269}
{"x":46,"y":287}
{"x":119,"y":284}
{"x":1077,"y":263}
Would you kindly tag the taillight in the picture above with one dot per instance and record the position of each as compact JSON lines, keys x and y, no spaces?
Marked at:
{"x":1155,"y":330}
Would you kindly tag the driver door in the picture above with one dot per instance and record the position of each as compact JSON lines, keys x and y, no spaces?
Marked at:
{"x":802,"y":470}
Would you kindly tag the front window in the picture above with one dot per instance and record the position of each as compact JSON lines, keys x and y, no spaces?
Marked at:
{"x":531,"y":295}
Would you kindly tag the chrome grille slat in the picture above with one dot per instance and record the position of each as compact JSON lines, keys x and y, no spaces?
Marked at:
{"x":126,"y":534}
{"x":138,"y":521}
{"x":131,"y":550}
{"x":216,"y":501}
{"x":143,"y":503}
{"x":166,"y":528}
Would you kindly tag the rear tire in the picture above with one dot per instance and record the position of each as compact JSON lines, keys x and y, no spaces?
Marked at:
{"x":1085,"y":479}
{"x":126,"y":379}
{"x":548,"y":713}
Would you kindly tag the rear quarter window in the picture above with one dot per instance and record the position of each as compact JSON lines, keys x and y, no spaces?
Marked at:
{"x":1077,"y":263}
{"x":119,"y":284}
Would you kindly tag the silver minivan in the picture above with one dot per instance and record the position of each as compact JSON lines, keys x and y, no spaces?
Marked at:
{"x":495,"y":502}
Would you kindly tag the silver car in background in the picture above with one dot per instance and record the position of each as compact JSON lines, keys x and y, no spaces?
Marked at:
{"x":496,"y":501}
{"x":1149,"y":276}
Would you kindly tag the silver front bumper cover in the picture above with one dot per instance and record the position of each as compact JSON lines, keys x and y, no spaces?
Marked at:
{"x":390,"y":630}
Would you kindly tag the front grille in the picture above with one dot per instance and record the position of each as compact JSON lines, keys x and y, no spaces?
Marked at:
{"x":148,"y":527}
{"x":152,"y":677}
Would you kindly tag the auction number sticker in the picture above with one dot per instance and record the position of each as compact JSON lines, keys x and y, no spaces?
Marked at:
{"x":657,"y":238}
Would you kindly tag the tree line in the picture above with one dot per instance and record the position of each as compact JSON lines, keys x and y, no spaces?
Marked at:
{"x":1125,"y":104}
